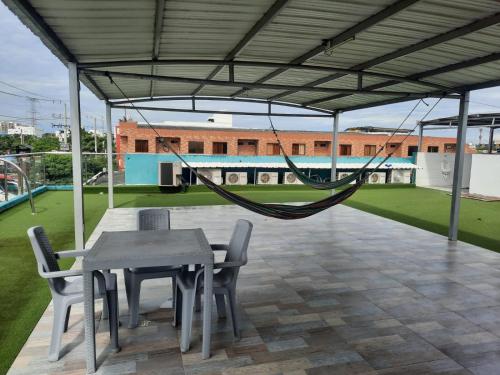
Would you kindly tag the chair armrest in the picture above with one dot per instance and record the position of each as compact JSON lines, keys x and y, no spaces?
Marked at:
{"x":228,"y":265}
{"x":56,"y":274}
{"x":219,"y":247}
{"x":70,"y":253}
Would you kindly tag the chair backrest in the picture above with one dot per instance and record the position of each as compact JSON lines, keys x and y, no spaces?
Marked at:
{"x":153,"y":219}
{"x":238,"y":246}
{"x":45,"y":256}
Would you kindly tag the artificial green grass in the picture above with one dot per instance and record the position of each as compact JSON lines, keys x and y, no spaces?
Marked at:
{"x":430,"y":210}
{"x":24,"y":295}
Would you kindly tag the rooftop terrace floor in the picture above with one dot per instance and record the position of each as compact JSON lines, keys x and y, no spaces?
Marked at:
{"x":343,"y":292}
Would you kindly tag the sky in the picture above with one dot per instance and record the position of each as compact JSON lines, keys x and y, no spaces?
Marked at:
{"x":27,"y":64}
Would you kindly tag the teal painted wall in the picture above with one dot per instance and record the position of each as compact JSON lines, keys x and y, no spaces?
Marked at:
{"x":142,"y":169}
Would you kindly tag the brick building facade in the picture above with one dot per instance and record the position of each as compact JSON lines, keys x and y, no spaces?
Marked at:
{"x":132,"y":137}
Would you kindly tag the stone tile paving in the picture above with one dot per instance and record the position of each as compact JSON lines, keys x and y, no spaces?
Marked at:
{"x":344,"y":292}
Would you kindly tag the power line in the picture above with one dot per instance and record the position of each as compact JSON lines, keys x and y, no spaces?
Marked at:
{"x":486,"y":104}
{"x":28,"y":92}
{"x":25,"y":118}
{"x":31,"y":97}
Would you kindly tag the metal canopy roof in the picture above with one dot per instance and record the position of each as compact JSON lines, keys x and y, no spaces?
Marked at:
{"x":377,"y":51}
{"x":490,"y":120}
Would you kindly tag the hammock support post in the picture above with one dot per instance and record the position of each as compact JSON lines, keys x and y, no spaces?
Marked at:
{"x":335,"y":146}
{"x":420,"y":138}
{"x":458,"y":169}
{"x":76,"y":153}
{"x":109,"y":155}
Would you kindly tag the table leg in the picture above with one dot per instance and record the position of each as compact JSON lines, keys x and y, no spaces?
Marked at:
{"x":88,"y":303}
{"x":207,"y":310}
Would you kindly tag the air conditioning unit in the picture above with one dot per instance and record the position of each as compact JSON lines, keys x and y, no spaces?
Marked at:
{"x":400,"y":176}
{"x":236,"y":178}
{"x":376,"y":178}
{"x":267,"y":178}
{"x":291,"y":179}
{"x":214,"y":175}
{"x":343,"y":175}
{"x":169,"y":174}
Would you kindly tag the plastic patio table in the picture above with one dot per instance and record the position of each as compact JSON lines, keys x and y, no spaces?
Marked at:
{"x":135,"y":249}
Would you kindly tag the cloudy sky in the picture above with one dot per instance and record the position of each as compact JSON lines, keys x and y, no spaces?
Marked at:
{"x":27,"y":64}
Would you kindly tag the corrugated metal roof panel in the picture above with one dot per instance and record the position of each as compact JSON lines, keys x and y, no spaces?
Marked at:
{"x":105,"y":30}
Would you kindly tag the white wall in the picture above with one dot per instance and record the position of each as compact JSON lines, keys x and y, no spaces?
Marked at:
{"x":435,"y":169}
{"x":485,"y":175}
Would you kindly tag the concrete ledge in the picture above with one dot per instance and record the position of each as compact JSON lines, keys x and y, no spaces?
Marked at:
{"x":21,"y":198}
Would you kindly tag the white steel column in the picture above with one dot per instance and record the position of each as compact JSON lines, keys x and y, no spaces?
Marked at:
{"x":109,"y":155}
{"x":458,"y":169}
{"x":335,"y":146}
{"x":420,"y":137}
{"x":491,"y":140}
{"x":76,"y":152}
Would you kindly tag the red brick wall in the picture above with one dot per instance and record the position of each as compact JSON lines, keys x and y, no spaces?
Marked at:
{"x":129,"y":132}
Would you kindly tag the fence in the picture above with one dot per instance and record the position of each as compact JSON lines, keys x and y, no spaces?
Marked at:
{"x":51,"y":169}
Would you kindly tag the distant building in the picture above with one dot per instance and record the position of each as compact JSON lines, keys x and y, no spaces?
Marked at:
{"x":217,"y":136}
{"x":12,"y":128}
{"x":377,"y":130}
{"x":60,"y":134}
{"x":99,"y":133}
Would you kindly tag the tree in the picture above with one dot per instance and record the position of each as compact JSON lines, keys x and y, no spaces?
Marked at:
{"x":58,"y":169}
{"x":48,"y":142}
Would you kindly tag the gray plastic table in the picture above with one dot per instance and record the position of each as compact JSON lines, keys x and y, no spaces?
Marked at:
{"x":134,"y":249}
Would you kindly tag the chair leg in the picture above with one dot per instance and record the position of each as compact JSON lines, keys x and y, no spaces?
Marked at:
{"x":126,"y":278}
{"x":188,"y":301}
{"x":174,"y":288}
{"x":221,"y":305}
{"x":66,"y":321}
{"x":105,"y":309}
{"x":178,"y":307}
{"x":112,"y":297}
{"x":60,"y":311}
{"x":197,"y":303}
{"x":231,"y":296}
{"x":135,"y":293}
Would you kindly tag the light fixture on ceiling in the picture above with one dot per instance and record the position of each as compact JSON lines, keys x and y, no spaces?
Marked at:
{"x":330,"y":45}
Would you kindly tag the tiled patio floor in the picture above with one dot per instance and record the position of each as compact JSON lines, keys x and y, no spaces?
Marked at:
{"x":344,"y":292}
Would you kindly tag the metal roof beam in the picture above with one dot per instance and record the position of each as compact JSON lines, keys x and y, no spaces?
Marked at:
{"x":342,"y":37}
{"x":241,"y":113}
{"x":374,"y":104}
{"x":258,"y":26}
{"x":316,"y":68}
{"x":427,"y":43}
{"x":219,"y":83}
{"x":428,"y":73}
{"x":158,"y":27}
{"x":216,"y":98}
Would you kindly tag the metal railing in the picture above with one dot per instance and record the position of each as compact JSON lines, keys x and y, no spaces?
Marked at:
{"x":51,"y":168}
{"x":25,"y":180}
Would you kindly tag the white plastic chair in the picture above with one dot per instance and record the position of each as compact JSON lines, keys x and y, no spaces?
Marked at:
{"x":190,"y":284}
{"x":147,"y":219}
{"x":66,"y":293}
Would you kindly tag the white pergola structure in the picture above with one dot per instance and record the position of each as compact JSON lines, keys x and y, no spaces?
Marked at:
{"x":328,"y":56}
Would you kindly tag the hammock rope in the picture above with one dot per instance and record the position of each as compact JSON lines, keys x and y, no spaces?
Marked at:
{"x":330,"y":185}
{"x":279,"y":211}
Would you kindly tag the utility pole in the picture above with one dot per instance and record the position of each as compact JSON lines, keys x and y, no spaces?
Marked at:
{"x":95,"y":135}
{"x":65,"y":133}
{"x":33,"y":112}
{"x":64,"y":125}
